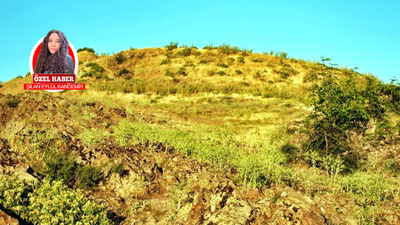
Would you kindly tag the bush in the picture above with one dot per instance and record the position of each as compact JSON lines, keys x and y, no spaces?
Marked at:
{"x":286,"y":71}
{"x":60,"y":167}
{"x":120,"y":58}
{"x":291,"y":151}
{"x":165,"y":61}
{"x":95,"y":70}
{"x":222,"y":65}
{"x":49,"y":202}
{"x":221,"y":73}
{"x":227,"y":49}
{"x":238,"y":72}
{"x":87,"y":176}
{"x":86,"y":49}
{"x":182,"y":71}
{"x":123,"y":72}
{"x":230,"y":61}
{"x":117,"y":168}
{"x":169,"y":73}
{"x":340,"y":106}
{"x":95,"y":67}
{"x":209,"y":47}
{"x":257,"y":60}
{"x":203,"y":61}
{"x":172,"y":45}
{"x":185,"y":52}
{"x":391,"y":92}
{"x":13,"y":103}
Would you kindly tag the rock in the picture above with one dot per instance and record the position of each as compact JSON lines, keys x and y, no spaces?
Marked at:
{"x":7,"y":220}
{"x":295,"y":208}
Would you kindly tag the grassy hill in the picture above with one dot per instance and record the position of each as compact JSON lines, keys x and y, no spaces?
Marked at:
{"x":209,"y":136}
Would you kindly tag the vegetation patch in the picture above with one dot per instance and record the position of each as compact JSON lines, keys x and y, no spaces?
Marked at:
{"x":49,"y":202}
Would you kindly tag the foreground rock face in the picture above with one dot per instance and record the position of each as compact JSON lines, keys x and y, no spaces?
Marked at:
{"x":163,"y":187}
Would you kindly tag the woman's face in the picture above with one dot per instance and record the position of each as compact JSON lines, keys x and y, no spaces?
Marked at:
{"x":54,"y":43}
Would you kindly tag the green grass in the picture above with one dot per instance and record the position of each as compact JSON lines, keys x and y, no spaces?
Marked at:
{"x":214,"y":146}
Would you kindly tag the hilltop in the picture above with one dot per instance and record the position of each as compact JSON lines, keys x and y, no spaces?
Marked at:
{"x":219,"y":135}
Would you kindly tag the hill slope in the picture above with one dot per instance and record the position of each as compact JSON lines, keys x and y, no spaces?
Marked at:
{"x":183,"y":135}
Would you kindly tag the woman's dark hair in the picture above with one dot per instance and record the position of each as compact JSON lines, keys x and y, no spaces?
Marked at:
{"x":54,"y":63}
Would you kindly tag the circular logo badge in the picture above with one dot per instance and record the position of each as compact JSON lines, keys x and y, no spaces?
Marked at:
{"x":35,"y":53}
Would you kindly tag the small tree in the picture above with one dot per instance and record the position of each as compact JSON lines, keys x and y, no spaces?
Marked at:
{"x":340,"y":106}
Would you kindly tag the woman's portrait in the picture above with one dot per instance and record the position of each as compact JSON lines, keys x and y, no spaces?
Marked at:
{"x":53,"y":57}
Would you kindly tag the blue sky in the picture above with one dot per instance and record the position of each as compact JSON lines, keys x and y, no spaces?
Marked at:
{"x":363,"y":34}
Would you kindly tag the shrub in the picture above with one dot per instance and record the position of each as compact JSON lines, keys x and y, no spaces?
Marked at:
{"x":246,"y":52}
{"x":222,"y":65}
{"x":95,"y":70}
{"x":49,"y":202}
{"x":221,"y":73}
{"x":240,"y":60}
{"x":185,"y":52}
{"x":86,"y":49}
{"x":132,"y":55}
{"x":209,"y":47}
{"x":286,"y":71}
{"x":282,"y":55}
{"x":210,"y":72}
{"x":117,"y":168}
{"x":230,"y":60}
{"x":120,"y":58}
{"x":339,"y":106}
{"x":238,"y":72}
{"x":141,"y":55}
{"x":95,"y":67}
{"x":203,"y":61}
{"x":165,"y":61}
{"x":290,"y":151}
{"x":172,"y":45}
{"x":65,"y":168}
{"x":257,"y":60}
{"x":227,"y":49}
{"x":87,"y":176}
{"x":60,"y":167}
{"x":391,"y":92}
{"x":169,"y":73}
{"x":123,"y":72}
{"x":13,"y":103}
{"x":182,"y":71}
